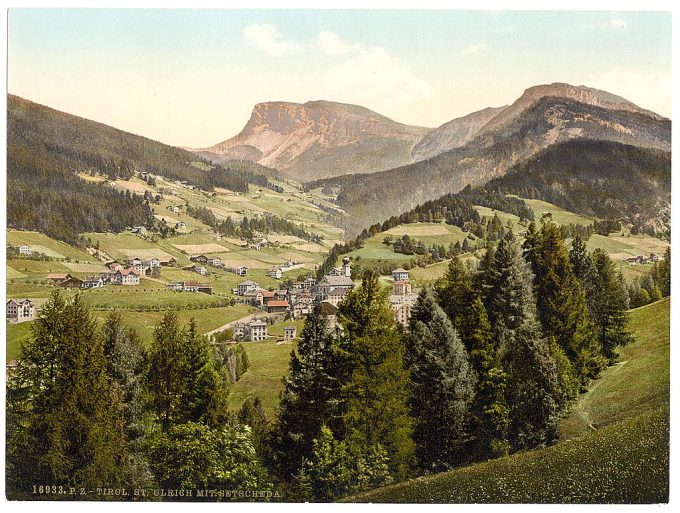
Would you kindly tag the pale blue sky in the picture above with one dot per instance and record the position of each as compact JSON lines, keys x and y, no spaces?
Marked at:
{"x":191,"y":77}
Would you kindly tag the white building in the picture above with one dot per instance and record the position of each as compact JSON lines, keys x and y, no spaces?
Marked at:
{"x":20,"y":310}
{"x":25,"y":249}
{"x":246,"y":286}
{"x":275,"y":272}
{"x":289,"y":333}
{"x":400,"y":274}
{"x":242,"y":271}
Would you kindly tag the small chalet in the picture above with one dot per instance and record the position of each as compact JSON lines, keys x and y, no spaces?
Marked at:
{"x":242,"y":271}
{"x":277,"y":306}
{"x":25,"y":249}
{"x":57,"y":278}
{"x":167,"y":261}
{"x":214,"y":261}
{"x":93,"y":282}
{"x":20,"y":310}
{"x":180,"y":224}
{"x":201,"y":259}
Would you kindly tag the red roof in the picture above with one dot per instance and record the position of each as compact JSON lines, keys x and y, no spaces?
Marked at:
{"x":57,"y":276}
{"x":267,"y":293}
{"x":277,"y":303}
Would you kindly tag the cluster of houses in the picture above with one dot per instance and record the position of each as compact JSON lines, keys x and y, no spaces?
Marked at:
{"x":190,"y":286}
{"x":129,"y":273}
{"x":641,"y":259}
{"x":213,"y":261}
{"x":331,"y":290}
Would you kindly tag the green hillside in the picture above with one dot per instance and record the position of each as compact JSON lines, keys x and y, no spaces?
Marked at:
{"x":623,"y":458}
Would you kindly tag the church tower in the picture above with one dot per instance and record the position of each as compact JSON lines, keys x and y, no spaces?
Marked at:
{"x":346,"y":270}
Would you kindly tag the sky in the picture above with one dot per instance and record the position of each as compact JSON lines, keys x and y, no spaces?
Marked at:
{"x":191,"y":77}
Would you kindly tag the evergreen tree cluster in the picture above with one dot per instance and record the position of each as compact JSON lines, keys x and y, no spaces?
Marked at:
{"x":88,"y":406}
{"x":490,"y":361}
{"x":250,"y":226}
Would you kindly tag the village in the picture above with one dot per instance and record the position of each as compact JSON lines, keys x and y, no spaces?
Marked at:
{"x":294,"y":302}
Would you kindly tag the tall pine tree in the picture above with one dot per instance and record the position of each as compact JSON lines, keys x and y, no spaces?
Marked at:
{"x":375,"y":383}
{"x":309,"y":399}
{"x":442,"y":386}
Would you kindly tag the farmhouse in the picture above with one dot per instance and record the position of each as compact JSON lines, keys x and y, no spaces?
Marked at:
{"x":242,"y":271}
{"x":400,"y":274}
{"x":20,"y":310}
{"x":214,"y":261}
{"x":175,"y":286}
{"x":181,"y":224}
{"x":93,"y":282}
{"x":152,"y":262}
{"x":200,"y":270}
{"x":277,"y":306}
{"x":25,"y":249}
{"x":57,"y":278}
{"x":289,"y":333}
{"x":245,"y":286}
{"x":201,"y":259}
{"x":140,"y":230}
{"x":267,"y":295}
{"x":167,"y":261}
{"x":309,"y":282}
{"x":71,"y":283}
{"x":275,"y":272}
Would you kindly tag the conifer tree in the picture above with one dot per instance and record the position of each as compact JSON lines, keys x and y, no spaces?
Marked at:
{"x":454,"y":291}
{"x":309,"y":399}
{"x":126,"y":367}
{"x":442,"y":386}
{"x":561,"y":304}
{"x":63,"y":418}
{"x":166,"y":376}
{"x":375,"y":383}
{"x":532,"y":384}
{"x":608,"y":305}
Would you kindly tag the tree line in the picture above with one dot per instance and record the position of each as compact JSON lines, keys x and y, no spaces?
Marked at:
{"x":248,"y":227}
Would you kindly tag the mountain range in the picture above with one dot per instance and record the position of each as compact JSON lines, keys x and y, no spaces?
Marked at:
{"x":373,"y":166}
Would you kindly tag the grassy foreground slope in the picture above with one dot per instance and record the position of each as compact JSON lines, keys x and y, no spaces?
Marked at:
{"x":626,"y":461}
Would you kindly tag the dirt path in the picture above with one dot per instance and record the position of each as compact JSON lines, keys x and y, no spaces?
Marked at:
{"x":583,"y":404}
{"x":231,"y":323}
